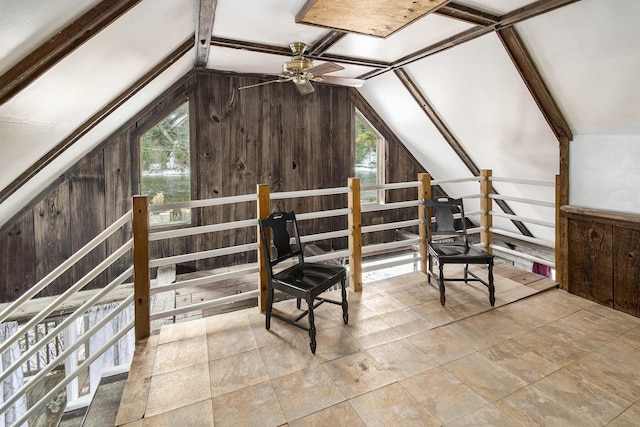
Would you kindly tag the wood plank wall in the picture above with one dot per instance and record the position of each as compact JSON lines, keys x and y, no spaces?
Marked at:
{"x":265,"y":135}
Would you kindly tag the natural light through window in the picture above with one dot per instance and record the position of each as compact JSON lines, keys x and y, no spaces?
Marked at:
{"x":165,"y":166}
{"x":369,"y":159}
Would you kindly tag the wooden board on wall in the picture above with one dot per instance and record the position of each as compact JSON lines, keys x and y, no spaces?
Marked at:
{"x":52,"y":234}
{"x":590,"y":268}
{"x":626,"y":267}
{"x":18,"y":258}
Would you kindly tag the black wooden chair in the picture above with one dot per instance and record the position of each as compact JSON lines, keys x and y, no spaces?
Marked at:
{"x":303,"y":280}
{"x":448,"y":244}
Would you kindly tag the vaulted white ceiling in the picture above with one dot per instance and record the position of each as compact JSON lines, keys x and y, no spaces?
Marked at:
{"x":587,"y":52}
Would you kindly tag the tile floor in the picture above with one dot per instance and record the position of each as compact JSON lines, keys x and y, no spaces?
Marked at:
{"x":538,"y":358}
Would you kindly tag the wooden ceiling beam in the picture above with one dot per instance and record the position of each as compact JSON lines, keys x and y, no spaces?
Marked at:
{"x":325,"y":43}
{"x":94,"y":120}
{"x":59,"y":46}
{"x":204,"y":29}
{"x":532,"y":10}
{"x":435,"y":118}
{"x":535,"y":83}
{"x":285,"y":51}
{"x":468,"y":14}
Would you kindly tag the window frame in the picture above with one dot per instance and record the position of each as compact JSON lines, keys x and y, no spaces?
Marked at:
{"x":381,"y":156}
{"x":135,"y":138}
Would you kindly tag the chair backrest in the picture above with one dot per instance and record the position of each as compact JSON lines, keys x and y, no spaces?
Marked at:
{"x":279,"y":232}
{"x":443,"y":209}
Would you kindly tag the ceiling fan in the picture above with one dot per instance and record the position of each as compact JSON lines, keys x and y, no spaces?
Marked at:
{"x":300,"y":70}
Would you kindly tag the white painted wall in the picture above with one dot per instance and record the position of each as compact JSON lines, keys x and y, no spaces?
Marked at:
{"x":603,"y":172}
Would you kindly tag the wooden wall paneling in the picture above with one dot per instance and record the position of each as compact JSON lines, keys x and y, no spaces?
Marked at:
{"x":626,"y":267}
{"x":52,"y":234}
{"x":87,"y":205}
{"x":118,"y":198}
{"x":17,"y":258}
{"x":590,"y":267}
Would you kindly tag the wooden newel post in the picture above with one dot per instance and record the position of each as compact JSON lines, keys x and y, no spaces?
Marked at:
{"x":355,"y":239}
{"x":264,"y":209}
{"x":486,"y":206}
{"x":141,"y":283}
{"x":424,"y":193}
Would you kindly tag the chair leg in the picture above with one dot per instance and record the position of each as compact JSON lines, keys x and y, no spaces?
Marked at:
{"x":492,"y":289}
{"x":298,"y":303}
{"x":312,"y":327}
{"x":466,"y":273}
{"x":269,"y":306}
{"x":441,"y":284}
{"x":345,"y":304}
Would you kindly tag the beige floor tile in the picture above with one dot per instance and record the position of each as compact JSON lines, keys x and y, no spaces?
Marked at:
{"x":437,"y":315}
{"x":406,"y":321}
{"x":530,"y":407}
{"x":198,"y":414}
{"x":392,"y":406}
{"x":443,"y":394}
{"x":382,"y":303}
{"x":280,"y":333}
{"x":178,"y":388}
{"x":144,"y":357}
{"x":477,"y":335}
{"x":557,"y":302}
{"x":287,"y":357}
{"x":139,"y":423}
{"x":176,"y":355}
{"x":484,"y":376}
{"x":486,"y":416}
{"x":182,"y":331}
{"x":235,"y":372}
{"x":372,"y":331}
{"x":629,"y":417}
{"x":358,"y":373}
{"x":618,"y":316}
{"x":568,"y":389}
{"x":556,"y":343}
{"x":596,"y":328}
{"x":440,"y":345}
{"x":236,"y":339}
{"x":414,"y":295}
{"x":335,"y":343}
{"x":133,"y":403}
{"x":255,"y":405}
{"x":305,"y":392}
{"x":341,"y":414}
{"x":402,"y":358}
{"x":520,"y":361}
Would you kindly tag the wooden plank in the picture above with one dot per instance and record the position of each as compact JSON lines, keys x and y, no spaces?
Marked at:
{"x":379,"y":18}
{"x":60,"y":45}
{"x":141,"y":267}
{"x":87,"y":206}
{"x":626,"y":268}
{"x":204,"y":28}
{"x":590,"y":264}
{"x":468,"y":14}
{"x":326,"y":42}
{"x":17,"y":252}
{"x":355,"y":239}
{"x":52,"y":235}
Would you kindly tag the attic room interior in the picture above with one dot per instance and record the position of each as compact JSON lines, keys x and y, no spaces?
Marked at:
{"x":143,"y":140}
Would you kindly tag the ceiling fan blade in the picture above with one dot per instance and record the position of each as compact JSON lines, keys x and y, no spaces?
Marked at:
{"x":304,"y":88}
{"x":327,"y":67}
{"x":264,"y":83}
{"x":342,"y":81}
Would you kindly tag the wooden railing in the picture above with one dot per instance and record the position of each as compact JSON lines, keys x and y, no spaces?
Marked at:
{"x":354,"y":256}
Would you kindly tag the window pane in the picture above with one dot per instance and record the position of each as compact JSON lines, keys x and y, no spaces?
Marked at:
{"x":367,"y":145}
{"x":165,"y":166}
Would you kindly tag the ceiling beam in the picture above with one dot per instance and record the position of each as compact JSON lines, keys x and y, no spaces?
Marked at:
{"x":286,"y":51}
{"x":435,"y":118}
{"x":204,"y":29}
{"x":94,"y":120}
{"x":535,"y":83}
{"x":468,"y":14}
{"x":59,"y":46}
{"x":326,"y":42}
{"x":532,"y":10}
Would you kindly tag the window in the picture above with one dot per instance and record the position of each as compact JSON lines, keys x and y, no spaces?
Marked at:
{"x":369,"y":159}
{"x":165,"y":172}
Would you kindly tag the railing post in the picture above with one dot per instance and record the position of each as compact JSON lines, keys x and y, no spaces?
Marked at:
{"x":141,"y":282}
{"x":264,"y":209}
{"x":424,"y":193}
{"x":486,"y":205}
{"x":355,"y":239}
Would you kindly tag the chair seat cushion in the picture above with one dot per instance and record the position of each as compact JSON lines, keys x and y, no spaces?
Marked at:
{"x":459,"y":253}
{"x":310,"y":276}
